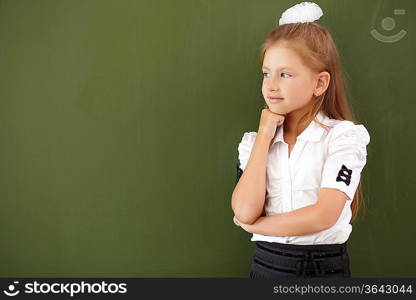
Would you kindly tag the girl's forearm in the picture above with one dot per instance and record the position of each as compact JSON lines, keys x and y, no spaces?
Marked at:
{"x":250,"y":192}
{"x":302,"y":221}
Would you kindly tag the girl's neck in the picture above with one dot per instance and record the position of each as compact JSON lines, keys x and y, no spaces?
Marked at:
{"x":291,"y":123}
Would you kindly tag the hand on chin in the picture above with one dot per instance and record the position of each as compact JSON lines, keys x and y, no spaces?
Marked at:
{"x":277,"y":110}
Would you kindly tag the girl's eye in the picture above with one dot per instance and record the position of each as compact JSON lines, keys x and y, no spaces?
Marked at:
{"x":288,"y":75}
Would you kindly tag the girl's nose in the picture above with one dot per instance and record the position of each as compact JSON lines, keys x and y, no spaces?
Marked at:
{"x":273,"y":84}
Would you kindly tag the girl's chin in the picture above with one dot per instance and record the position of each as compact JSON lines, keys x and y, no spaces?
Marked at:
{"x":277,"y":110}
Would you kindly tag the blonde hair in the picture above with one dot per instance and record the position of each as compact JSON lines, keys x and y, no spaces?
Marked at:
{"x":315,"y":46}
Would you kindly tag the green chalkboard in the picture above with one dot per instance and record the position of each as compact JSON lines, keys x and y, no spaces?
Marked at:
{"x":120,"y":121}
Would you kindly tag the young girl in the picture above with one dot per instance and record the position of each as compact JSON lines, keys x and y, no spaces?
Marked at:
{"x":298,"y":181}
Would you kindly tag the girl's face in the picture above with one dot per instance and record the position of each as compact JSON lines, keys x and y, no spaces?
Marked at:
{"x":285,"y":76}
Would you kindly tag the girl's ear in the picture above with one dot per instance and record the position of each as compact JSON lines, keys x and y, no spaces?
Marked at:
{"x":322,"y":83}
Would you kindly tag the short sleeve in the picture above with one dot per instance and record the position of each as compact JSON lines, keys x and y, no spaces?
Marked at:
{"x":346,"y":157}
{"x":244,"y":148}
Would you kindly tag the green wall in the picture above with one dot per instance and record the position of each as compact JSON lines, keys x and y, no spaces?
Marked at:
{"x":119,"y":127}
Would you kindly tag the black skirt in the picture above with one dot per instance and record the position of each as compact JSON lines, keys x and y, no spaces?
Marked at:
{"x":277,"y":260}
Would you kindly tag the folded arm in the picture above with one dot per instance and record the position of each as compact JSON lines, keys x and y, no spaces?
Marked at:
{"x":303,"y":221}
{"x":249,"y":194}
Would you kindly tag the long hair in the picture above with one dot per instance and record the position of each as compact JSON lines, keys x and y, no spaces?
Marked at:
{"x":317,"y":50}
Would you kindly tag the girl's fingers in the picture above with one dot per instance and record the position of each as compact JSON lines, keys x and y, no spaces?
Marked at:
{"x":236,"y":221}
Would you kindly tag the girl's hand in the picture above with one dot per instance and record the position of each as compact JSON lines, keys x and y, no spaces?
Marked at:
{"x":241,"y":224}
{"x":269,"y":122}
{"x":236,"y":222}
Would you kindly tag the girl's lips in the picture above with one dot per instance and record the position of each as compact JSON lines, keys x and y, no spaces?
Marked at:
{"x":275,"y":100}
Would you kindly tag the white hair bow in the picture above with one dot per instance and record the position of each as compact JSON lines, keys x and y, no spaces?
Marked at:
{"x":301,"y":13}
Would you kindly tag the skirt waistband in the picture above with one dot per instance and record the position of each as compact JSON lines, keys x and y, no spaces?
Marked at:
{"x":272,"y":257}
{"x":301,"y":249}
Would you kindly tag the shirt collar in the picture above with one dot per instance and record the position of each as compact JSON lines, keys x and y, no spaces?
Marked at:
{"x":312,"y":133}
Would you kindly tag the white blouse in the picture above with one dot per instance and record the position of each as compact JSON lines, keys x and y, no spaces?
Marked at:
{"x":320,"y":158}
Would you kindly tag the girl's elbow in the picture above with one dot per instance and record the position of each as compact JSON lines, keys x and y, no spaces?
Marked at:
{"x":246,"y":213}
{"x":247,"y":220}
{"x":245,"y":217}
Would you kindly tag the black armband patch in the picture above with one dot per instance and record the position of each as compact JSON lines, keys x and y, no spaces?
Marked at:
{"x":239,"y":173}
{"x":344,"y":175}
